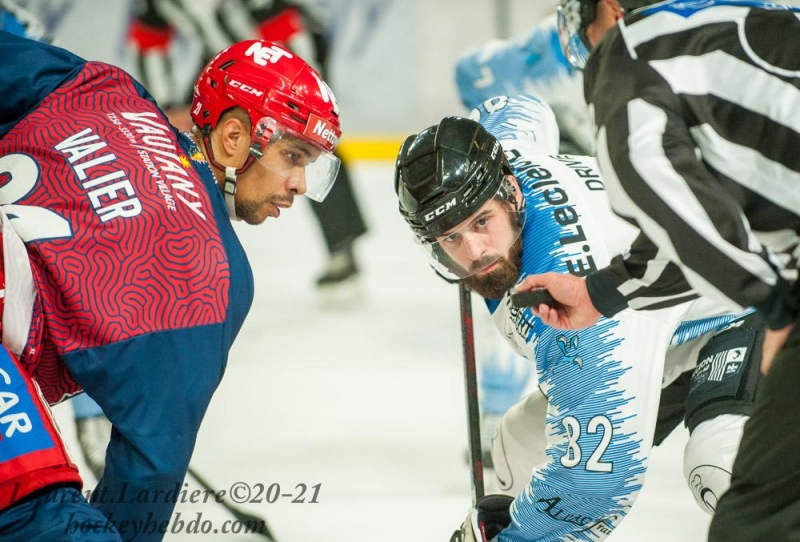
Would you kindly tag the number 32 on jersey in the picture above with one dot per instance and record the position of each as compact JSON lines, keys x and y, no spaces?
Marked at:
{"x":574,"y":453}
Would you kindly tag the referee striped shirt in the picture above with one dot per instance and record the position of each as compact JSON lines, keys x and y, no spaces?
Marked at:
{"x":697,"y":116}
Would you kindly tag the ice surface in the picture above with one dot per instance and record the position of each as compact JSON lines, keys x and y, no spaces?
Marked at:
{"x":365,"y":398}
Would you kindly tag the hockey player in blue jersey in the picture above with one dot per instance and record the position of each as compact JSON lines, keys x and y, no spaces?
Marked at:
{"x":121,"y":271}
{"x":533,"y":63}
{"x":490,"y":201}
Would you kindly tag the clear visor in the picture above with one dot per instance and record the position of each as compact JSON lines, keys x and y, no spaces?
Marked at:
{"x":569,"y":34}
{"x":311,"y":170}
{"x":476,"y":245}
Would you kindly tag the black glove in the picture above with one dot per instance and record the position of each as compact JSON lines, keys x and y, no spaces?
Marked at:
{"x":490,"y":516}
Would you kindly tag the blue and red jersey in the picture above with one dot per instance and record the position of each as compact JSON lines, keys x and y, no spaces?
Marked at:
{"x":123,"y":275}
{"x":127,"y":236}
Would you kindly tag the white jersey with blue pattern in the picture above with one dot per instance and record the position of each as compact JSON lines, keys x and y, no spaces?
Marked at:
{"x":602,"y":383}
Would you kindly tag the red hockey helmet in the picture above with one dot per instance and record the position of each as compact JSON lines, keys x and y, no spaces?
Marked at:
{"x":281,"y":93}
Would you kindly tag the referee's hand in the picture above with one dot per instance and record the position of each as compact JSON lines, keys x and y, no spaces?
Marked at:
{"x":573,"y":309}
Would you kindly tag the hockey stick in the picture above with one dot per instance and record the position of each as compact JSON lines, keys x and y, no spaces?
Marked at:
{"x":256,"y":524}
{"x":471,"y":388}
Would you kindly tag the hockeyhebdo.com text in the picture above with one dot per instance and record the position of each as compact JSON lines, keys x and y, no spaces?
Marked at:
{"x":192,"y":523}
{"x":185,"y":522}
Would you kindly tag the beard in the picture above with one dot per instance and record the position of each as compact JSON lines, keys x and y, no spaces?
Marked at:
{"x":249,"y":212}
{"x":252,"y":212}
{"x":495,"y":283}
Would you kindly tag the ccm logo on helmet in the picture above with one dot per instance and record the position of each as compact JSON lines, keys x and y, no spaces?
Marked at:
{"x":247,"y":88}
{"x":440,"y":210}
{"x":261,"y":55}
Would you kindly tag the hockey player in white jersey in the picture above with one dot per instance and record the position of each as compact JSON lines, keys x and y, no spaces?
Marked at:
{"x":533,"y":63}
{"x":490,"y":201}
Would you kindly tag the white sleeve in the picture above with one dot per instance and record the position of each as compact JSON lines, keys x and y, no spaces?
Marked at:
{"x":524,"y":122}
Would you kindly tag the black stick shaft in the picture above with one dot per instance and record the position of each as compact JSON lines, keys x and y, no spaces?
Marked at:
{"x":257,"y":524}
{"x":471,"y":388}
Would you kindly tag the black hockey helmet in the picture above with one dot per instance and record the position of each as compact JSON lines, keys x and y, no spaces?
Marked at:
{"x":445,"y":173}
{"x":573,"y":18}
{"x":443,"y":176}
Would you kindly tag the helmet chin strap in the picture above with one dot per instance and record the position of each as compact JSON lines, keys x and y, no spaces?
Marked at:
{"x":230,"y":191}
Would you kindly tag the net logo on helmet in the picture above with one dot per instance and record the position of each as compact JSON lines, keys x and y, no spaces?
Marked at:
{"x":263,"y":54}
{"x":267,"y":81}
{"x":326,"y":93}
{"x":321,"y":132}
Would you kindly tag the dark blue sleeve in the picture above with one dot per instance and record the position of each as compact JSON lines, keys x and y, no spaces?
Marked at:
{"x":29,"y":71}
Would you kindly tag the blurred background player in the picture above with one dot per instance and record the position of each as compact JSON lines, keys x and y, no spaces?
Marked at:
{"x":21,"y":22}
{"x":534,"y":63}
{"x":489,"y":204}
{"x":93,"y":431}
{"x":202,"y":28}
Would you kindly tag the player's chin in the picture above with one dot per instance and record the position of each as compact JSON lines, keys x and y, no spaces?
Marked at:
{"x":492,"y":285}
{"x":257,"y":214}
{"x":254,"y":219}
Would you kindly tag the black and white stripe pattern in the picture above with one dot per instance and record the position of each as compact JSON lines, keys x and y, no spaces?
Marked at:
{"x":697,"y":113}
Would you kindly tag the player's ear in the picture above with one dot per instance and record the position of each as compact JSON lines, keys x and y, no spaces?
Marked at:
{"x":234,"y":136}
{"x":517,"y":191}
